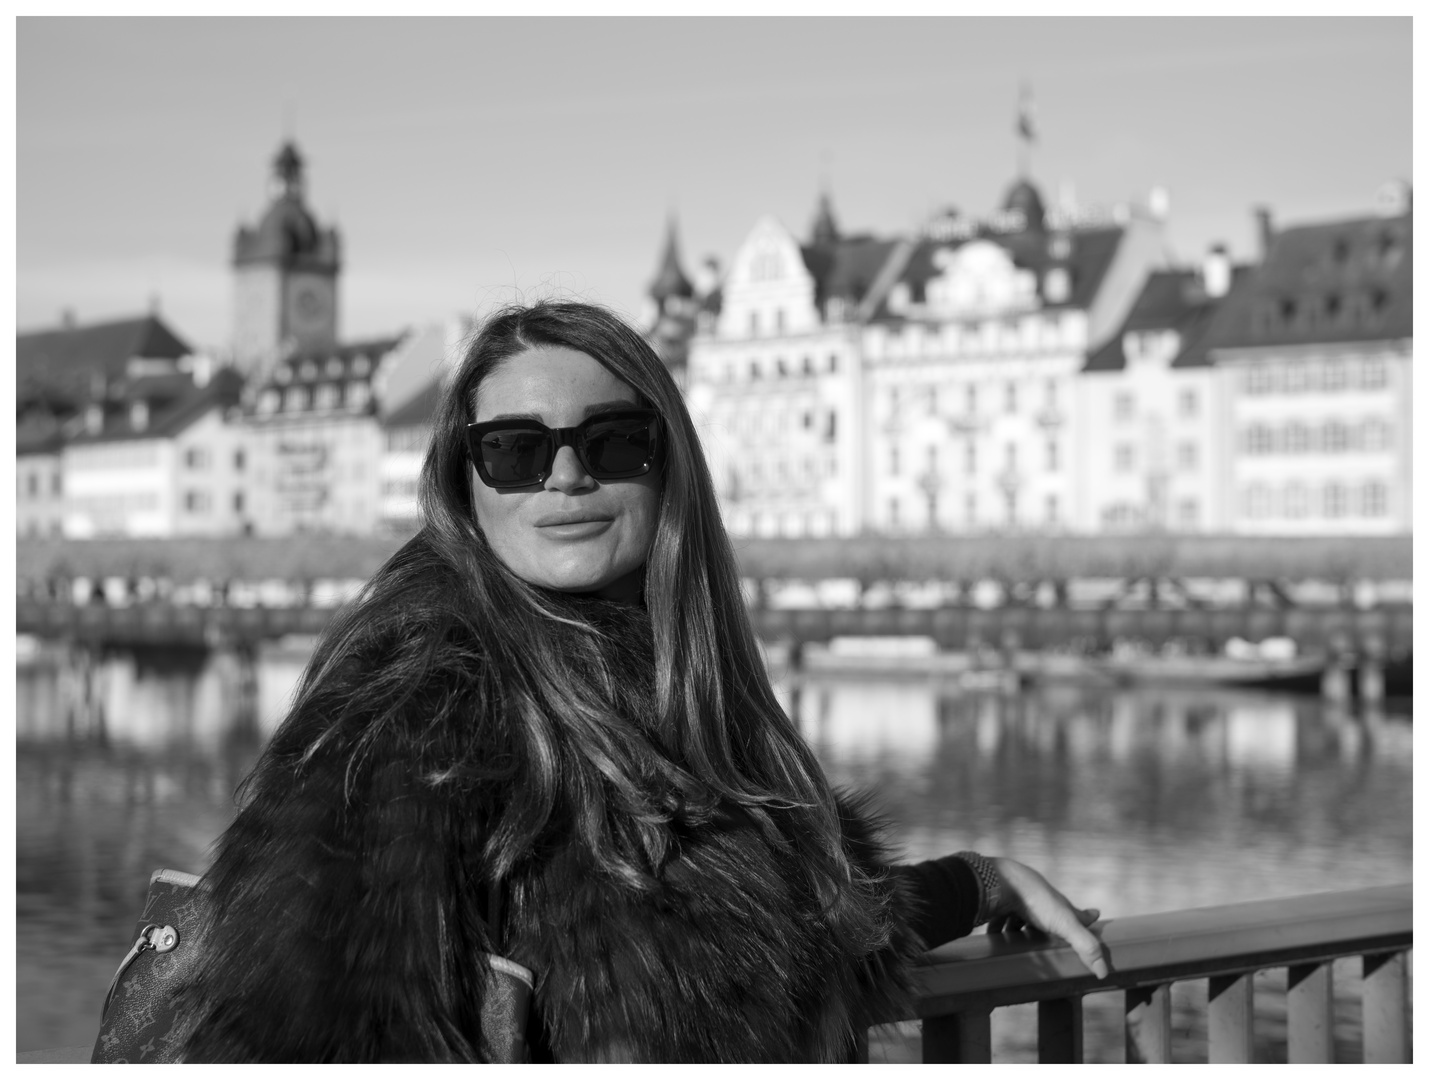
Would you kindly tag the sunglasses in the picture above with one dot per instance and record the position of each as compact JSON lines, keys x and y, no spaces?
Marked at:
{"x":520,"y":453}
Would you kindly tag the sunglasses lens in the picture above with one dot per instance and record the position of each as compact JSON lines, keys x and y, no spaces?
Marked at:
{"x":615,"y":448}
{"x":515,"y":457}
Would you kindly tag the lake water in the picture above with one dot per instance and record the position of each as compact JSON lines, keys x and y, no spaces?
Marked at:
{"x":1129,"y":801}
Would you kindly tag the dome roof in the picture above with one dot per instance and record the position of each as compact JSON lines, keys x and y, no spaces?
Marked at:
{"x":1024,"y":196}
{"x":288,"y":233}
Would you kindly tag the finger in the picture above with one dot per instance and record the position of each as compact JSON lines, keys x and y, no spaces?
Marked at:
{"x":1088,"y":949}
{"x":1089,"y":916}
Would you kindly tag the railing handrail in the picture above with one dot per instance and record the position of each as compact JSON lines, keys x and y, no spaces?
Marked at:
{"x":989,"y":971}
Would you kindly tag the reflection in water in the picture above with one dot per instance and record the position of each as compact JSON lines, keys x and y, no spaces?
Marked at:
{"x":1131,"y":801}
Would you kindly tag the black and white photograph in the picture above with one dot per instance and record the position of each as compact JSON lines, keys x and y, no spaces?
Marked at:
{"x":766,"y":537}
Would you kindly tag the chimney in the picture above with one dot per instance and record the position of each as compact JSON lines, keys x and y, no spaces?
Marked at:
{"x":1216,"y":272}
{"x":1265,"y":231}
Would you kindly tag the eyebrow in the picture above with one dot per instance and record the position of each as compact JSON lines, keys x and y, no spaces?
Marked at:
{"x":590,"y":410}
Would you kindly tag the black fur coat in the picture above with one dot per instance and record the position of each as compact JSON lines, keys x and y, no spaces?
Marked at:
{"x":347,"y":920}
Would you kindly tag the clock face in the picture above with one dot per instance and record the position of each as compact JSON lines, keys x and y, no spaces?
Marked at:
{"x":310,"y":304}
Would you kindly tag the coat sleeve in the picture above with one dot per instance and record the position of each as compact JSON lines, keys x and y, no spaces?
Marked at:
{"x":944,"y":896}
{"x":343,"y":924}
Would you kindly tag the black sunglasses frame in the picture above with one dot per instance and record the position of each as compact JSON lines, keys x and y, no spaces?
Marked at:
{"x":574,"y":437}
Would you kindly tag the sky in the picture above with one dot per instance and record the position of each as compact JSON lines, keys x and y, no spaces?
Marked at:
{"x":470,"y":162}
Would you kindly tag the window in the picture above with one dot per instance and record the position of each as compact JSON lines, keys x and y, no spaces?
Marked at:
{"x":1333,"y":375}
{"x":893,"y":461}
{"x":1259,"y":439}
{"x":970,"y":457}
{"x":1052,"y":456}
{"x":334,"y":367}
{"x":1374,"y":499}
{"x":358,"y":394}
{"x":754,"y":324}
{"x":1051,"y":509}
{"x":1124,"y":406}
{"x":295,"y":399}
{"x":972,"y":398}
{"x":238,"y":460}
{"x":1257,"y":501}
{"x":1011,"y":397}
{"x":893,"y":512}
{"x":56,"y":484}
{"x":932,"y":401}
{"x":1297,"y":500}
{"x":326,"y":396}
{"x":196,"y":502}
{"x":1375,"y":435}
{"x":1012,"y":508}
{"x":1336,"y":437}
{"x":1051,"y":394}
{"x":932,"y":458}
{"x":1296,"y":378}
{"x":196,"y":457}
{"x":1335,"y":500}
{"x":832,"y":428}
{"x":1187,"y":454}
{"x":808,"y":419}
{"x":1188,"y":513}
{"x":970,"y":509}
{"x":1374,"y":374}
{"x":779,"y":323}
{"x":833,"y":362}
{"x":238,"y":502}
{"x":1011,"y":456}
{"x":1259,"y":379}
{"x":1125,"y":457}
{"x":32,"y":485}
{"x":361,"y":365}
{"x":269,"y":400}
{"x":1188,"y":403}
{"x":808,"y":365}
{"x":781,"y":367}
{"x":754,"y":369}
{"x":1297,"y":438}
{"x":308,"y":370}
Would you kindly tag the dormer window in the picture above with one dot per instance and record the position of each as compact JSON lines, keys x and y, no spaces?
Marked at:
{"x":308,"y":371}
{"x":334,"y":367}
{"x":269,"y":401}
{"x":1057,"y":285}
{"x":361,"y":365}
{"x":283,"y":374}
{"x":326,"y":397}
{"x":295,"y":399}
{"x":358,"y":394}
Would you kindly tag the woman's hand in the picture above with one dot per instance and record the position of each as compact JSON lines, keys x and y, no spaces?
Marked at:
{"x":1029,"y":902}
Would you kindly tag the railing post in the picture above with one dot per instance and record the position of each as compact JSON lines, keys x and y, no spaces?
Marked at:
{"x":963,"y":1038}
{"x":1310,"y":1003}
{"x":1059,"y":1031}
{"x":1230,"y":1021}
{"x":1148,"y":1025}
{"x":1386,"y":1032}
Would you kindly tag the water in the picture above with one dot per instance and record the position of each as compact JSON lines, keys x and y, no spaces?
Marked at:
{"x":1130,"y":801}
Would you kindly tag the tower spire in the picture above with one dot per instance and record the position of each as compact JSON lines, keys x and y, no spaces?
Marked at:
{"x":670,"y":279}
{"x":1026,"y":129}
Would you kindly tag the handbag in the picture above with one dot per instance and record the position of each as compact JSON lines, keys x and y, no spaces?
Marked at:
{"x":140,"y":1022}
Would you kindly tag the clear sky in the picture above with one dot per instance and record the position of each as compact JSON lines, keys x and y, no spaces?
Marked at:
{"x":467,"y":162}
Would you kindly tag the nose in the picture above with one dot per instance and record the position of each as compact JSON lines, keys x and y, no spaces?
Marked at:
{"x":568,"y":475}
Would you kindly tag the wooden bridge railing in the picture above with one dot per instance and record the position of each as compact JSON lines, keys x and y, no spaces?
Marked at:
{"x":966,"y":980}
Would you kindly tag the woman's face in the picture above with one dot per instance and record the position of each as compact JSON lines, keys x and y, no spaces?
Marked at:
{"x":572,"y":533}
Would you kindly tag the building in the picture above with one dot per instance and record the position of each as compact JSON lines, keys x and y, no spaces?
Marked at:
{"x":161,"y":454}
{"x":1316,"y":356}
{"x":1151,"y":411}
{"x":316,"y":441}
{"x":916,"y":383}
{"x":775,"y":379}
{"x":285,"y":274}
{"x":60,"y":373}
{"x":972,"y":351}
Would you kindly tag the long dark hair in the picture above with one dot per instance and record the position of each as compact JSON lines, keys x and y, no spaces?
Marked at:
{"x":717,"y":734}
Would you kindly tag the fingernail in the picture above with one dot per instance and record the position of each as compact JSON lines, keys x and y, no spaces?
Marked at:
{"x":1099,"y":969}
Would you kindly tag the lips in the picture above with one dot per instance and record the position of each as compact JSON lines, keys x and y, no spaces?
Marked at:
{"x":569,"y":517}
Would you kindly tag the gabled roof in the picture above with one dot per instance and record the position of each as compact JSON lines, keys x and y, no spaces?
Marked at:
{"x":846,"y":268}
{"x":168,"y":415}
{"x":309,"y":366}
{"x":1085,"y":255}
{"x":61,"y":364}
{"x":1169,"y":300}
{"x":1339,"y":281}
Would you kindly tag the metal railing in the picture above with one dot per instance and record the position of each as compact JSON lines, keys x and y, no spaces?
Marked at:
{"x":965,"y":981}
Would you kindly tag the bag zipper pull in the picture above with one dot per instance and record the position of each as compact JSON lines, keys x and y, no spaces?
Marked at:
{"x":161,"y":939}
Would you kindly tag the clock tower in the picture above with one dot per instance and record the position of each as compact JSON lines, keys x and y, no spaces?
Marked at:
{"x":285,"y":275}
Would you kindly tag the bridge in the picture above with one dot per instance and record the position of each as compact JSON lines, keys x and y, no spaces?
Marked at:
{"x":1343,"y":602}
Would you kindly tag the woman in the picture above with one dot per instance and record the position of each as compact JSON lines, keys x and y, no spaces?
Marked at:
{"x":554,"y":688}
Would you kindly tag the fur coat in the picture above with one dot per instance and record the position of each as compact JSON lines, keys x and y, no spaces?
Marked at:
{"x":347,"y":920}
